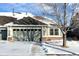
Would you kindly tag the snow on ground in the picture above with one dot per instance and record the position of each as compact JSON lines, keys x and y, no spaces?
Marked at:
{"x":19,"y":49}
{"x":73,"y":47}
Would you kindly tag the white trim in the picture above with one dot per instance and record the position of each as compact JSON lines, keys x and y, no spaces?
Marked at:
{"x":27,"y":25}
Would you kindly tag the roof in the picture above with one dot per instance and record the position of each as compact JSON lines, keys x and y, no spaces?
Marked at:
{"x":28,"y":21}
{"x":25,"y":19}
{"x":45,"y":20}
{"x":6,"y":19}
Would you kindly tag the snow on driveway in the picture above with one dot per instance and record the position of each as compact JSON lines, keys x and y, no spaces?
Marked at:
{"x":19,"y":49}
{"x":33,"y":49}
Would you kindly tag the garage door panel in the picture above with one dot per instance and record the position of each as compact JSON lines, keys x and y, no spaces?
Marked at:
{"x":37,"y":36}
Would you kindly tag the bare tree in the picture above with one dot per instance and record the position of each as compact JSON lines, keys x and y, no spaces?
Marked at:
{"x":61,"y":14}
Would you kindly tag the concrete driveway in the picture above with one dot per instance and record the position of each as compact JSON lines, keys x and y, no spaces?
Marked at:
{"x":19,"y":49}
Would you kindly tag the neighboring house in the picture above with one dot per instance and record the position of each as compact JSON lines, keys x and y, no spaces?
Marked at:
{"x":75,"y":26}
{"x":32,"y":28}
{"x":75,"y":21}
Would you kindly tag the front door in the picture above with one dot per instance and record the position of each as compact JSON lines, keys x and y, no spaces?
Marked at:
{"x":3,"y":34}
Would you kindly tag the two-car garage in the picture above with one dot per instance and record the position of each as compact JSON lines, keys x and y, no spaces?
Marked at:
{"x":26,"y":33}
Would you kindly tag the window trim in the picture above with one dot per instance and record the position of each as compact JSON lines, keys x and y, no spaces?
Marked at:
{"x":57,"y":31}
{"x":54,"y":31}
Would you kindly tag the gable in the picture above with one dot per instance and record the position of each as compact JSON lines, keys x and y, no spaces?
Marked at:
{"x":28,"y":21}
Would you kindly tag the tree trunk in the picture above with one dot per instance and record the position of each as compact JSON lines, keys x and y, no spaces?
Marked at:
{"x":64,"y":40}
{"x":64,"y":34}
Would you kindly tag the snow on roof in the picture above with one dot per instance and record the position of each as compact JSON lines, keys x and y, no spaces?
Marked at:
{"x":6,"y":14}
{"x":45,"y":19}
{"x":10,"y":23}
{"x":16,"y":15}
{"x":20,"y":16}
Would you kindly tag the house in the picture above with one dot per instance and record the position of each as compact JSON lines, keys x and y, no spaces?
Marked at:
{"x":75,"y":21}
{"x":31,"y":28}
{"x":75,"y":26}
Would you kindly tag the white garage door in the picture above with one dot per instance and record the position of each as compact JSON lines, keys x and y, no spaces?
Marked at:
{"x":27,"y":35}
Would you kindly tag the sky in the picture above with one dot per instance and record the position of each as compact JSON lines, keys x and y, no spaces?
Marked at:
{"x":20,"y":7}
{"x":33,"y":8}
{"x":23,"y":7}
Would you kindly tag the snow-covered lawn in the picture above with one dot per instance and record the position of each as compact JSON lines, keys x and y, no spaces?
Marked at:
{"x":73,"y":47}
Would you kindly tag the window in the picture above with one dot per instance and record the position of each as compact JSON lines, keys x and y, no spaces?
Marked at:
{"x":28,"y":29}
{"x":39,"y":29}
{"x":51,"y":31}
{"x":21,"y":29}
{"x":17,"y":29}
{"x":56,"y":32}
{"x":14,"y":29}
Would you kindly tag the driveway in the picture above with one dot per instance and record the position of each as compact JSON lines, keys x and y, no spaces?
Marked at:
{"x":20,"y":49}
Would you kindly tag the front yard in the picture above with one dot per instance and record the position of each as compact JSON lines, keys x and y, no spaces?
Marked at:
{"x":20,"y":48}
